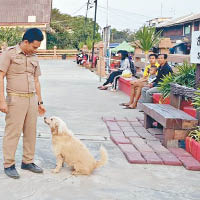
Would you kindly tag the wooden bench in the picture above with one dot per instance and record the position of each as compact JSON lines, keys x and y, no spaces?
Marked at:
{"x":176,"y":123}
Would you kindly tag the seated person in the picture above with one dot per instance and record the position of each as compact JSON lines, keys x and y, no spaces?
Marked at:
{"x":137,"y":85}
{"x":124,"y":65}
{"x":150,"y":89}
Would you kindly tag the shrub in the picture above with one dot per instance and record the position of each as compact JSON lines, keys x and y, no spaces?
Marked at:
{"x":184,"y":76}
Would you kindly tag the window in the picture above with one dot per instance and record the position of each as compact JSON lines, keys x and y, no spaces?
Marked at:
{"x":196,"y":26}
{"x":187,"y":29}
{"x":31,"y":18}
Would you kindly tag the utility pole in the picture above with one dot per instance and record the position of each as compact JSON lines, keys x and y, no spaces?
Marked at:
{"x":88,"y":3}
{"x":161,"y":9}
{"x":94,"y":31}
{"x":107,"y":15}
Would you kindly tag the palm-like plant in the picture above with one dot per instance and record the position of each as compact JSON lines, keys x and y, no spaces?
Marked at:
{"x":164,"y":86}
{"x":184,"y":76}
{"x":148,"y":37}
{"x":196,"y":100}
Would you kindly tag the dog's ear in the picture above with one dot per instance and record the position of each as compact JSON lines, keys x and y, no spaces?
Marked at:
{"x":54,"y":128}
{"x":56,"y":124}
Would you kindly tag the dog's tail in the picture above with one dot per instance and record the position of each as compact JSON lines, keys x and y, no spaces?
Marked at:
{"x":104,"y":157}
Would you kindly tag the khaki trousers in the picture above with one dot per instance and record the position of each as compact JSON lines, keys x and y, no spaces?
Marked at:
{"x":21,"y":117}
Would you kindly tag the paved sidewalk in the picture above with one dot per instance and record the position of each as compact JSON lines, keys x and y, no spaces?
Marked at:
{"x":69,"y":92}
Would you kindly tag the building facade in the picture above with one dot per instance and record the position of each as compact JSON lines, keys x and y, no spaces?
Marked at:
{"x":180,"y":28}
{"x":26,"y":14}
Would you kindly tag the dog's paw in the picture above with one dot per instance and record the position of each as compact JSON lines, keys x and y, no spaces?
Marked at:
{"x":75,"y":173}
{"x":55,"y":171}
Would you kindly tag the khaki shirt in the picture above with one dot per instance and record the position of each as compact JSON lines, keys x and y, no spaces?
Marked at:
{"x":20,"y":70}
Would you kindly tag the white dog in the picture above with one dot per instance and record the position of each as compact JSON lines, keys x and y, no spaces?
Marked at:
{"x":71,"y":150}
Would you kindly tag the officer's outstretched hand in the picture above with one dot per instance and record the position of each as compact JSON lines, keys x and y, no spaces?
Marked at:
{"x":41,"y":110}
{"x":3,"y":107}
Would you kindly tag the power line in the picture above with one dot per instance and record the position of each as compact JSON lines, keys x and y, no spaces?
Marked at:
{"x":79,"y":9}
{"x":133,"y":13}
{"x":118,"y":15}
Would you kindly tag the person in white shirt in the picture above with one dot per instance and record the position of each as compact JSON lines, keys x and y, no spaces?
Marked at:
{"x":124,"y":65}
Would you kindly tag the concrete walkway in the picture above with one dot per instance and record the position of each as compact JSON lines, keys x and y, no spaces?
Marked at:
{"x":69,"y":92}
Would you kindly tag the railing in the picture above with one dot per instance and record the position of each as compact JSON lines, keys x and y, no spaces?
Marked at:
{"x":55,"y":53}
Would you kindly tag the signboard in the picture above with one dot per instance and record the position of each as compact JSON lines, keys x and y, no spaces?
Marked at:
{"x":195,"y":48}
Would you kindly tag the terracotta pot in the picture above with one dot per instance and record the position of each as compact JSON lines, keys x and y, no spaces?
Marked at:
{"x":193,"y":147}
{"x":198,"y":153}
{"x":188,"y":144}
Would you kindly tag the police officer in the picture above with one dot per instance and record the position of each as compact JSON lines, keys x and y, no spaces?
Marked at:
{"x":23,"y":102}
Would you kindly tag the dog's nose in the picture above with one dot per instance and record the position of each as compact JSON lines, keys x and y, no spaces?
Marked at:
{"x":44,"y":118}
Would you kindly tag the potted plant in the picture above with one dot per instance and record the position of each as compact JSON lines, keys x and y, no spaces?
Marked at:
{"x":182,"y":81}
{"x":193,"y":143}
{"x":146,"y":38}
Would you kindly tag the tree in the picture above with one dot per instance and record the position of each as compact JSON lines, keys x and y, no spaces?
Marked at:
{"x":120,"y":36}
{"x":146,"y":38}
{"x":11,"y":36}
{"x":69,"y":32}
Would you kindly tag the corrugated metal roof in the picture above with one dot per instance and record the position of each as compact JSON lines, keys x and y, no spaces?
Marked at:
{"x":180,"y":20}
{"x":17,"y":11}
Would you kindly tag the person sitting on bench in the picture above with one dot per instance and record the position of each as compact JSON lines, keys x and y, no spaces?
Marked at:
{"x":150,"y":89}
{"x":137,"y":85}
{"x":124,"y":65}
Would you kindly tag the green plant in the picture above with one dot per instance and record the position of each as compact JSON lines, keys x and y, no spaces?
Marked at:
{"x":11,"y":36}
{"x":80,"y":45}
{"x":165,"y":85}
{"x":196,"y":100}
{"x":148,"y":38}
{"x":89,"y":43}
{"x":195,"y":134}
{"x":184,"y":76}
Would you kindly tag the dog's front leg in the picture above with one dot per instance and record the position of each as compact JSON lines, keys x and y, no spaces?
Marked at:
{"x":59,"y":163}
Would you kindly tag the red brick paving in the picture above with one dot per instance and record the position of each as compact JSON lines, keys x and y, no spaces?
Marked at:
{"x":190,"y":163}
{"x":152,"y":158}
{"x":136,"y":124}
{"x":142,"y":147}
{"x":123,"y":124}
{"x":170,"y":159}
{"x":131,"y":134}
{"x":112,"y":126}
{"x":158,"y":148}
{"x":119,"y":139}
{"x":116,"y":132}
{"x":179,"y":152}
{"x":135,"y":158}
{"x":128,"y":148}
{"x":120,"y":119}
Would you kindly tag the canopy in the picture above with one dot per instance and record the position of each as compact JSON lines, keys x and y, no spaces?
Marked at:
{"x":123,"y":46}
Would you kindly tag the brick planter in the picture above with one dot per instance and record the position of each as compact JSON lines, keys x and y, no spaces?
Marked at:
{"x":193,"y":147}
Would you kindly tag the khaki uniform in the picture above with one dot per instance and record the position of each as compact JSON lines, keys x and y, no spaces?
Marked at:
{"x":22,"y":103}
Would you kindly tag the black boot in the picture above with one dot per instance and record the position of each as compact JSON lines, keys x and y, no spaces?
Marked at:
{"x":11,"y":172}
{"x":31,"y":167}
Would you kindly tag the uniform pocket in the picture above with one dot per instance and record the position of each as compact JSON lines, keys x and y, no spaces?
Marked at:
{"x":18,"y":61}
{"x":18,"y":65}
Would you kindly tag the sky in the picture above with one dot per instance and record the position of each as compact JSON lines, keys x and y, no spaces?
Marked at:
{"x":129,"y":14}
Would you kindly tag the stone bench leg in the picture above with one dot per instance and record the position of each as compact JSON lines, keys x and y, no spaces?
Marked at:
{"x":147,"y":121}
{"x":171,"y":137}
